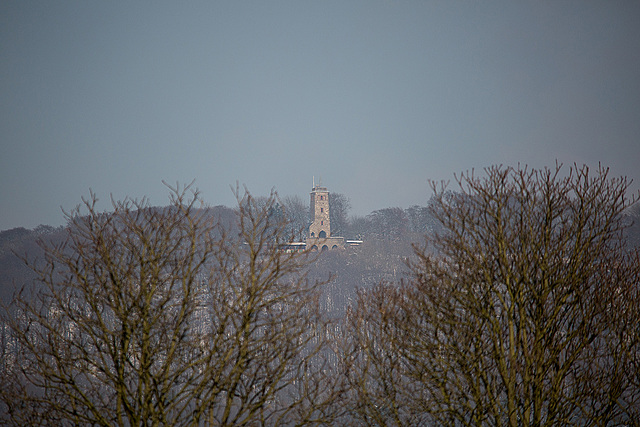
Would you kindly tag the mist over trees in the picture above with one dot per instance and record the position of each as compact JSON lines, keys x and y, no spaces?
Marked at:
{"x":509,"y":298}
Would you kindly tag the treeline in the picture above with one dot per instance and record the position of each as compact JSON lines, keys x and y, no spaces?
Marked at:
{"x":511,"y":300}
{"x":384,"y":224}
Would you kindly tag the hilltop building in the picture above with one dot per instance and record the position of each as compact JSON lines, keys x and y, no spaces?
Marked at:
{"x":319,"y":237}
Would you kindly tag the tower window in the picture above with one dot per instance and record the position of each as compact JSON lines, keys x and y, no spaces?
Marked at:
{"x":321,"y":210}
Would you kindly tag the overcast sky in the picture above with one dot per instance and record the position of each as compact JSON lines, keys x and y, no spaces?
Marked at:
{"x":375,"y":97}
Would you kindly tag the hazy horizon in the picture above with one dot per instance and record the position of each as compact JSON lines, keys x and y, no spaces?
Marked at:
{"x":374,"y":97}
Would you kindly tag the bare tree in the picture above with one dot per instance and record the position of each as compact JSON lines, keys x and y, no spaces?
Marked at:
{"x":522,"y":311}
{"x":359,"y":227}
{"x":297,"y":214}
{"x":389,"y":224}
{"x":269,"y":346}
{"x":373,"y":361}
{"x":339,"y":213}
{"x":160,"y":316}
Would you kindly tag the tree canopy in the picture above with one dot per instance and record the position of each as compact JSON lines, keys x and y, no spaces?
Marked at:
{"x":512,"y":298}
{"x":521,"y":310}
{"x":148,"y":316}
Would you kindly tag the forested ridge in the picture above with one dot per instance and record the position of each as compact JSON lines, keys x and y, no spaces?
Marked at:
{"x":387,"y":236}
{"x":508,"y":298}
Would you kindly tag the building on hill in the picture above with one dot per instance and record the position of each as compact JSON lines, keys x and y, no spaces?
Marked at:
{"x":319,"y":236}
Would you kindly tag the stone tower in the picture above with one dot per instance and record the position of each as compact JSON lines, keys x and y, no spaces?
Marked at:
{"x":320,"y":227}
{"x":320,"y":237}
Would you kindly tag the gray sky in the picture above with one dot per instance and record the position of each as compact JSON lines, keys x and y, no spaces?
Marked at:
{"x":376,"y":97}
